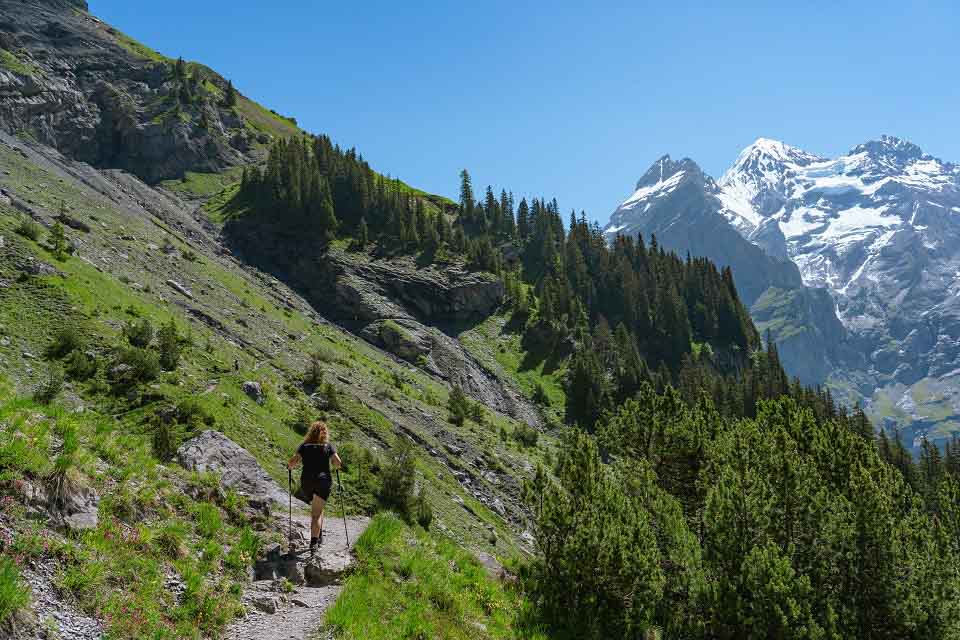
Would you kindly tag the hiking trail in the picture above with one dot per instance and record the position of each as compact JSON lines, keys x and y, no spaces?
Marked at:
{"x":272,"y":613}
{"x":288,"y":595}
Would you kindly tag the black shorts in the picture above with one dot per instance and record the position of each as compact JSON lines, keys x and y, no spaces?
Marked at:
{"x":315,"y":486}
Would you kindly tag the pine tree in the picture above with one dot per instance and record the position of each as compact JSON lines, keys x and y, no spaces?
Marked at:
{"x":58,"y":239}
{"x":363,"y":234}
{"x":466,"y":196}
{"x":230,"y":95}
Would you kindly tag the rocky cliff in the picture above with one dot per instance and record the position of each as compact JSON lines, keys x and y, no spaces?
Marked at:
{"x":408,"y":309}
{"x":76,"y":84}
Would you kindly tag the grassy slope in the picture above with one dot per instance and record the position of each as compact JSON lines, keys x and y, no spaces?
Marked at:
{"x":412,"y":584}
{"x":150,"y":527}
{"x":100,"y":300}
{"x":499,"y":347}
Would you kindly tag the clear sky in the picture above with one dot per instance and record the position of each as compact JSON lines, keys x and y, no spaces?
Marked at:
{"x":575,"y":100}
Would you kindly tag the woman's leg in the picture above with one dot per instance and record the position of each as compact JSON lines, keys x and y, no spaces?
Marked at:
{"x":316,"y":516}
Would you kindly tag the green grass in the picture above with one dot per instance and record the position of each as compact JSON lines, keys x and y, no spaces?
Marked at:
{"x":149,"y":528}
{"x":14,"y":593}
{"x":501,"y":350}
{"x":414,"y":585}
{"x":204,"y":185}
{"x":138,"y":48}
{"x":263,"y":120}
{"x":11,"y":62}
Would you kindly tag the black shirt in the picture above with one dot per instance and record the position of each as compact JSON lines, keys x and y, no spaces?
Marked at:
{"x":316,"y":458}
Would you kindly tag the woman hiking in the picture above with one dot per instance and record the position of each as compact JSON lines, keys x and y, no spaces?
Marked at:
{"x":317,"y":455}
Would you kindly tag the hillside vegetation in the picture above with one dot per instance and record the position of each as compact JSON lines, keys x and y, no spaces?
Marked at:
{"x":602,"y":418}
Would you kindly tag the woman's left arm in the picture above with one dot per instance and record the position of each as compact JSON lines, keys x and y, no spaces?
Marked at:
{"x":336,"y":461}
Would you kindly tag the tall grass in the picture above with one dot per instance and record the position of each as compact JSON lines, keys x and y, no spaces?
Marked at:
{"x":14,"y":594}
{"x":414,"y":585}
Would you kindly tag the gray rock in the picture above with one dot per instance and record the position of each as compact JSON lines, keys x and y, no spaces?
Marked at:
{"x":254,"y":391}
{"x":265,"y":603}
{"x":318,"y":575}
{"x":213,"y":451}
{"x":176,"y":286}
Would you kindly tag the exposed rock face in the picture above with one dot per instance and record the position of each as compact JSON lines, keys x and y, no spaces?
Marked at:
{"x":76,"y":84}
{"x":393,"y":303}
{"x":213,"y":451}
{"x":76,"y":508}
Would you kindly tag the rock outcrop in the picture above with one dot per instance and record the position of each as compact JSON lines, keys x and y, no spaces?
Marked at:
{"x":80,"y":86}
{"x":211,"y":451}
{"x":405,"y":308}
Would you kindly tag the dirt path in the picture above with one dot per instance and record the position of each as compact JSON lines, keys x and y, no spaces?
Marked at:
{"x":296,"y":615}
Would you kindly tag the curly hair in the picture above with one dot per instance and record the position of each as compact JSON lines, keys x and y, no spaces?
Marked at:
{"x":318,"y":433}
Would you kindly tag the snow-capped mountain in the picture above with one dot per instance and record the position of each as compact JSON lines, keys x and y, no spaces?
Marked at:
{"x":878,"y":227}
{"x":681,"y":206}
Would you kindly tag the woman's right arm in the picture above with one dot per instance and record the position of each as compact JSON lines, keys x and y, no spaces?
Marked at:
{"x":294,"y":461}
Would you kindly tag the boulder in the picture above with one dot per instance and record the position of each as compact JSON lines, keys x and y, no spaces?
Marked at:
{"x":318,"y":575}
{"x":211,"y":451}
{"x":176,"y":286}
{"x":265,"y":603}
{"x":254,"y":391}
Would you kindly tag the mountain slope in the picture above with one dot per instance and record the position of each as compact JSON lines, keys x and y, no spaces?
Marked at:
{"x":137,"y":251}
{"x":682,"y":207}
{"x":878,"y":227}
{"x":72,"y":82}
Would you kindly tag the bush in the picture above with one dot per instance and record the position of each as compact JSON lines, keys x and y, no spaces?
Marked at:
{"x":301,"y":418}
{"x":58,"y":239}
{"x":422,"y":511}
{"x":476,"y":412}
{"x":171,"y":426}
{"x":540,"y":395}
{"x":398,"y":476}
{"x":167,"y":437}
{"x":313,"y":373}
{"x":332,"y":395}
{"x":458,"y":405}
{"x":65,"y":341}
{"x":80,"y":366}
{"x":526,"y":435}
{"x":14,"y":594}
{"x":170,"y":541}
{"x":29,"y":229}
{"x":139,"y":333}
{"x":327,"y":354}
{"x":135,"y":366}
{"x":169,"y":343}
{"x":51,"y":386}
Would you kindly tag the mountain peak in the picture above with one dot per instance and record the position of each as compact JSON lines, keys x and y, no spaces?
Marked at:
{"x":890,"y":147}
{"x":666,"y":168}
{"x":764,"y":152}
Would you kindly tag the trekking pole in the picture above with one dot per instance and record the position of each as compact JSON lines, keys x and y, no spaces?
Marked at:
{"x":343,"y":510}
{"x":290,"y":547}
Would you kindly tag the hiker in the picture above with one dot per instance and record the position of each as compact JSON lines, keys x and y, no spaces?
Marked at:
{"x":317,"y":455}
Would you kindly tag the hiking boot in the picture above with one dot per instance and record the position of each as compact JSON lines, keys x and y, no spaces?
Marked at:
{"x":313,"y":545}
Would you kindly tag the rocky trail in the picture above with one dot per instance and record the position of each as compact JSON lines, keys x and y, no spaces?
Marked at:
{"x":277,"y":613}
{"x":289,"y":593}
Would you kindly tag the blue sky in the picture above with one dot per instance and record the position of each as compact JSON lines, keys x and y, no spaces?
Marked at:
{"x":574,"y":100}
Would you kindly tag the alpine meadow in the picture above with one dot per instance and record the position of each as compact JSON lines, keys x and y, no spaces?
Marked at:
{"x":254,"y":386}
